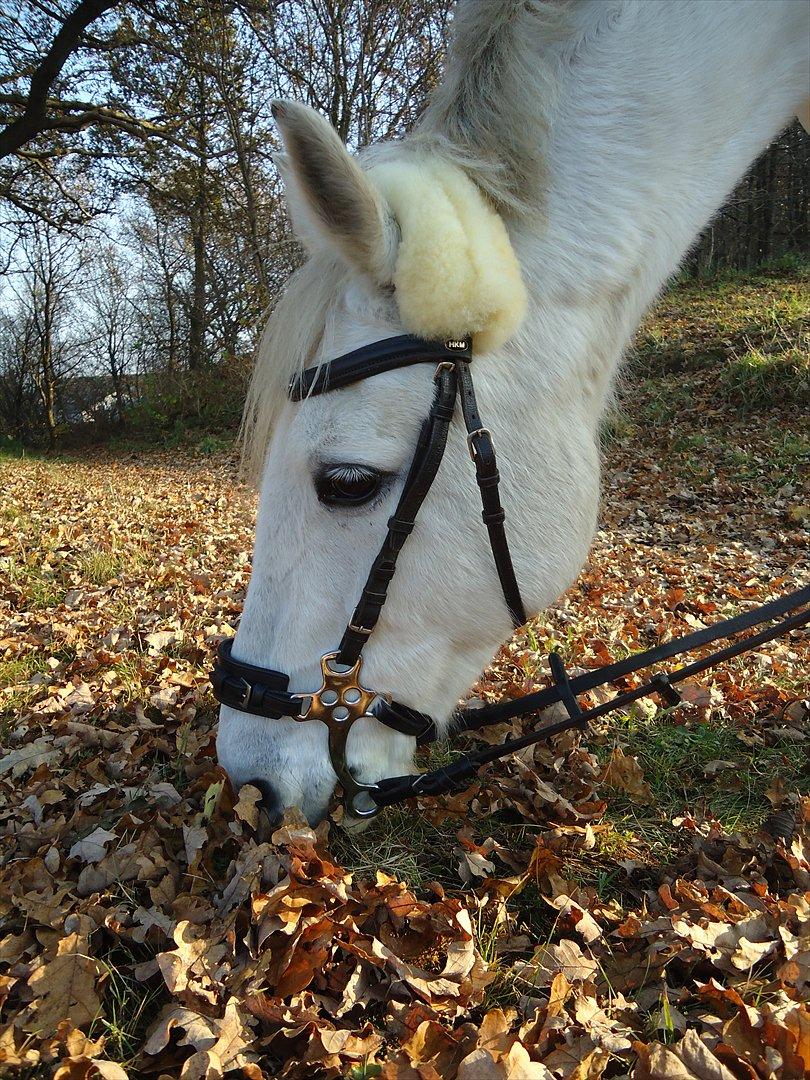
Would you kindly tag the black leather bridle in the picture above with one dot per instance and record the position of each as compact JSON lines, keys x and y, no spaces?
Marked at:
{"x":342,"y":699}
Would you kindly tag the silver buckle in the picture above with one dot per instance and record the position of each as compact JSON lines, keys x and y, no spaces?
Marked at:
{"x":445,"y":365}
{"x":245,"y":698}
{"x":359,"y":630}
{"x":472,"y":435}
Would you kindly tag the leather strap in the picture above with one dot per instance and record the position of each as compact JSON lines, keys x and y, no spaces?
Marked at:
{"x":263,"y":692}
{"x":373,"y":359}
{"x":482,"y":452}
{"x":459,"y":773}
{"x":472,"y":719}
{"x":424,"y":466}
{"x":405,"y":719}
{"x":257,"y":690}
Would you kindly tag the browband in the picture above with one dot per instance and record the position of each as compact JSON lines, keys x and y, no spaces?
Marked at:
{"x":374,"y":359}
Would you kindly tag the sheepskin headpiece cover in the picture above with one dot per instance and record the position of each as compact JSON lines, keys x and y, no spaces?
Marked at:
{"x":456,"y":272}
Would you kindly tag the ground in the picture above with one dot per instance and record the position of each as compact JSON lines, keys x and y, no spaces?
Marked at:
{"x":632,"y":901}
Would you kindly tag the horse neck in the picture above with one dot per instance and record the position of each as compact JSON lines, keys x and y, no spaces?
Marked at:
{"x":656,"y":118}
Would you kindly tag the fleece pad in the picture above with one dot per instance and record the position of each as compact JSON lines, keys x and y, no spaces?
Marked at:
{"x":456,"y":272}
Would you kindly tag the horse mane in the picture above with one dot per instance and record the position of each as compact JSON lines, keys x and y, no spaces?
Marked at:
{"x":288,"y":344}
{"x":490,"y":114}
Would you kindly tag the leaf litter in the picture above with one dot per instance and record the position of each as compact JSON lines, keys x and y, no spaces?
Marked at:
{"x":153,"y":926}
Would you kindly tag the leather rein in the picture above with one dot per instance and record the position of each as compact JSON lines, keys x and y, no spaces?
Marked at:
{"x":342,"y":699}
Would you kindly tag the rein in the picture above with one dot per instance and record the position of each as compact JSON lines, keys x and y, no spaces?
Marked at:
{"x":342,"y":699}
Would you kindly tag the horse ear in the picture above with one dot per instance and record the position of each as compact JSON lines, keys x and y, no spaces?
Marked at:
{"x":332,"y":201}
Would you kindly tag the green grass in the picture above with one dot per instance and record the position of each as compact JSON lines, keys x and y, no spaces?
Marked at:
{"x":750,"y":331}
{"x":674,"y":758}
{"x":14,"y":450}
{"x":99,"y":567}
{"x":39,"y":588}
{"x":403,"y":844}
{"x":755,"y":378}
{"x":130,"y":1006}
{"x":16,"y":673}
{"x":129,"y":678}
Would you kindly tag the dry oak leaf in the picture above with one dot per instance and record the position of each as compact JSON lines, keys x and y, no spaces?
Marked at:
{"x":195,"y":837}
{"x":578,"y":1059}
{"x":433,"y":1046}
{"x":573,"y":917}
{"x":30,"y":756}
{"x":69,"y":1042}
{"x":735,"y":947}
{"x":230,"y":1051}
{"x":690,"y":1059}
{"x":566,"y":957}
{"x":177,"y":967}
{"x":247,"y":806}
{"x":65,"y":987}
{"x":624,"y":772}
{"x":93,"y":847}
{"x":85,"y":1068}
{"x":11,"y":1053}
{"x":609,"y":1034}
{"x":495,"y":1034}
{"x":123,"y":864}
{"x":517,"y":1065}
{"x":201,"y":1032}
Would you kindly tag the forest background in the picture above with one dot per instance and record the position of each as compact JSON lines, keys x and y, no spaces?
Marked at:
{"x":142,"y":232}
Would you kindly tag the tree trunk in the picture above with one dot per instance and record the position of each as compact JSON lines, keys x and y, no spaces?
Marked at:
{"x":199,"y":223}
{"x":196,"y":341}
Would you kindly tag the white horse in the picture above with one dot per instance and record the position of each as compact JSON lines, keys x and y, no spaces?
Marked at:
{"x":605,"y":133}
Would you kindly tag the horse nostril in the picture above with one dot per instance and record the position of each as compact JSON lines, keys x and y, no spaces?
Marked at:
{"x":271,"y":800}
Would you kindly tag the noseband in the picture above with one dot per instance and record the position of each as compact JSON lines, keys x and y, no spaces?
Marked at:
{"x":342,"y":699}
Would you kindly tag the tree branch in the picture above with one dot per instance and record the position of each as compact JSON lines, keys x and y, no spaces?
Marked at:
{"x":34,"y":118}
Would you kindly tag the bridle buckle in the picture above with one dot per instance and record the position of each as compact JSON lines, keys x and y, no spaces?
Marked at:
{"x":244,"y":700}
{"x":472,"y":435}
{"x":445,"y":365}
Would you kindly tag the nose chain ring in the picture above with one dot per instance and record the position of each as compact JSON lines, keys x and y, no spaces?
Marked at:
{"x":340,"y":701}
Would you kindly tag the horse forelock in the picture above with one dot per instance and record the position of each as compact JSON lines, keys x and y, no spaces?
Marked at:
{"x":288,"y":344}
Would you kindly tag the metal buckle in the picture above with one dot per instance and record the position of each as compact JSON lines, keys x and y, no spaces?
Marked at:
{"x":306,"y":705}
{"x":445,"y":365}
{"x":471,"y":435}
{"x":245,"y":698}
{"x":359,"y":630}
{"x":347,"y":700}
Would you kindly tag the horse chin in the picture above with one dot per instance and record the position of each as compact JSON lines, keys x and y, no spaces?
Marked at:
{"x":375,"y":752}
{"x":354,"y":825}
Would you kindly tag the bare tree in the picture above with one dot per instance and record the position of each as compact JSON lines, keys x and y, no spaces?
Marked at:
{"x":18,"y":397}
{"x":111,"y":306}
{"x":368,"y":65}
{"x":44,"y":290}
{"x":65,"y":108}
{"x":768,"y":213}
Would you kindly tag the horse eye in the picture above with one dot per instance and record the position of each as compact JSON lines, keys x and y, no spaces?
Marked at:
{"x":348,"y":485}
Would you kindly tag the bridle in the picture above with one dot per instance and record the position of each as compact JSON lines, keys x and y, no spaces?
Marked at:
{"x":341,"y":699}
